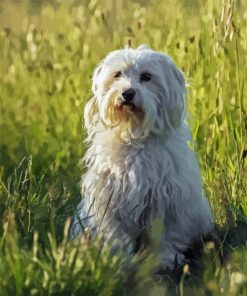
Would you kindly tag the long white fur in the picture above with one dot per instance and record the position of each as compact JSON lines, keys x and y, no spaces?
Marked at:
{"x":139,"y":164}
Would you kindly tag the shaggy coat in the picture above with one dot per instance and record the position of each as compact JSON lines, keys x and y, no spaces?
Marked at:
{"x":139,"y":164}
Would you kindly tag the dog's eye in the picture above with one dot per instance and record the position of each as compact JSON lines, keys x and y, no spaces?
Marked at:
{"x":118,"y":74}
{"x":145,"y":76}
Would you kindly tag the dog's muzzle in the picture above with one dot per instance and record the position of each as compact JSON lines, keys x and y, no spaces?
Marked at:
{"x":127,"y":98}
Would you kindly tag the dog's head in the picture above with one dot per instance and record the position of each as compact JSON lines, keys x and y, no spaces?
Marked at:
{"x":137,"y":91}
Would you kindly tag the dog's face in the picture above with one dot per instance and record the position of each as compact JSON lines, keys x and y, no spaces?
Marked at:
{"x":137,"y":91}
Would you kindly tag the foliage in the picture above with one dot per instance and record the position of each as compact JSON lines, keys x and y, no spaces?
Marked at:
{"x":48,"y":52}
{"x":36,"y":254}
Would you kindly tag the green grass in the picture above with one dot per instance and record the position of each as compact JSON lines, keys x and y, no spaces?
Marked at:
{"x":47,"y":55}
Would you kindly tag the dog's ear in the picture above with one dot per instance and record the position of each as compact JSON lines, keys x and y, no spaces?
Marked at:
{"x":91,"y":113}
{"x":91,"y":109}
{"x":96,"y":78}
{"x":177,"y":101}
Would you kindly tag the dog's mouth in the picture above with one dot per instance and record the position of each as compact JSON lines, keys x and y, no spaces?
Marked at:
{"x":130,"y":112}
{"x":129,"y":107}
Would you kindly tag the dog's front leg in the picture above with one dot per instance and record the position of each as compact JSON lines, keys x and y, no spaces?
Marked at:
{"x":174,"y":241}
{"x":83,"y":222}
{"x":108,"y":229}
{"x":118,"y":236}
{"x":170,"y":256}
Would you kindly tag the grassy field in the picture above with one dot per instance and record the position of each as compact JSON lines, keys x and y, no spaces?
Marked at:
{"x":48,"y":50}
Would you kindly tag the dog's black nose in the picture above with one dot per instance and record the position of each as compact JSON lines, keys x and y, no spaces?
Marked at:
{"x":128,"y":95}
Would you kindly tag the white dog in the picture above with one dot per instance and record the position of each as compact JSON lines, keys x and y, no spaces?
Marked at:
{"x":139,"y":166}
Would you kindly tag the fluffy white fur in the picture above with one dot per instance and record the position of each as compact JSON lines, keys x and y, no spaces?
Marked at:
{"x":139,"y":164}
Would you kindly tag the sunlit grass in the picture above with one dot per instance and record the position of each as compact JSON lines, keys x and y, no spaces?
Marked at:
{"x":47,"y":55}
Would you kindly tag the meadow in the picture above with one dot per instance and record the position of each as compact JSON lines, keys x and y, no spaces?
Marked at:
{"x":48,"y":50}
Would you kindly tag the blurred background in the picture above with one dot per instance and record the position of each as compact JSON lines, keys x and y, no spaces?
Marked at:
{"x":48,"y":50}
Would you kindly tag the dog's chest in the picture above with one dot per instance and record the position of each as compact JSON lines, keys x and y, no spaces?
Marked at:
{"x":131,"y":166}
{"x":130,"y":181}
